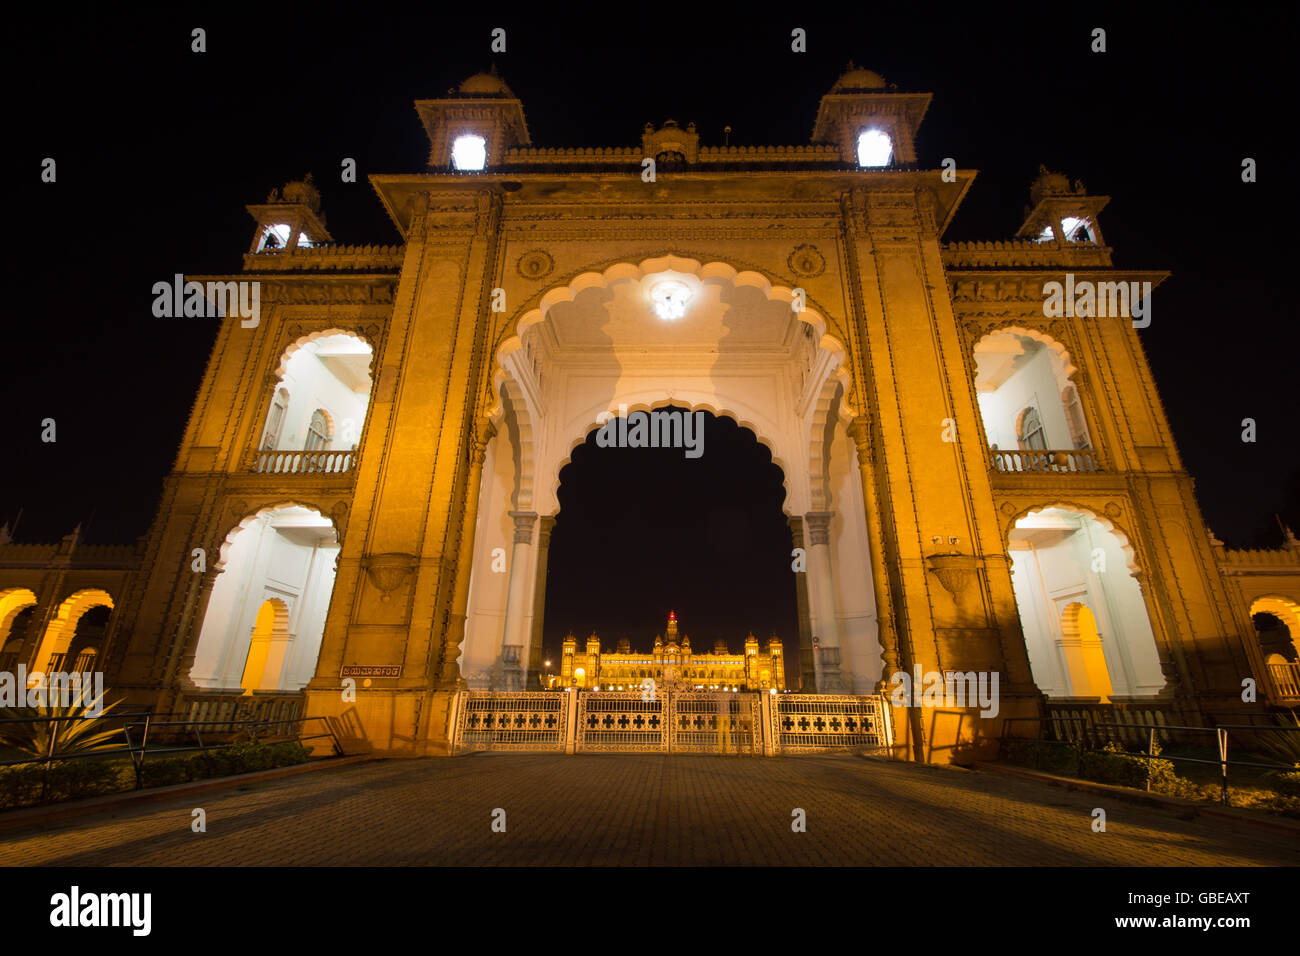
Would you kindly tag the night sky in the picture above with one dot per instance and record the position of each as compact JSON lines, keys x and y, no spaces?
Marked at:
{"x":159,"y":149}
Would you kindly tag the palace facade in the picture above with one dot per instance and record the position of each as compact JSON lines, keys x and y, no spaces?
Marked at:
{"x":671,"y":663}
{"x":979,"y":474}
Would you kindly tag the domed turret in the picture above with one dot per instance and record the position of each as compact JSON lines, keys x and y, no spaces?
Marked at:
{"x":858,"y":78}
{"x":1050,"y":184}
{"x":302,"y":191}
{"x":485,"y":84}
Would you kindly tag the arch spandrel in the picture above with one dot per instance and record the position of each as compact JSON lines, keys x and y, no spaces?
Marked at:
{"x":830,"y":334}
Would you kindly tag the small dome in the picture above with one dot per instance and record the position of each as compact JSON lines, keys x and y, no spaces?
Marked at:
{"x":485,"y":84}
{"x":304,"y":192}
{"x":857,"y":78}
{"x":1049,"y":184}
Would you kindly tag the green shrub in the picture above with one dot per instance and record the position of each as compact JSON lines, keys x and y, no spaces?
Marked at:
{"x":168,"y":771}
{"x":63,"y":780}
{"x":1113,"y":764}
{"x":30,"y":784}
{"x":1039,"y":755}
{"x":21,"y":786}
{"x":1284,"y":783}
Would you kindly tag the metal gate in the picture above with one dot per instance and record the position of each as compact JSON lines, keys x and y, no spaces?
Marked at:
{"x":715,"y":723}
{"x":816,"y":723}
{"x":523,"y":720}
{"x":614,"y":721}
{"x":668,"y":722}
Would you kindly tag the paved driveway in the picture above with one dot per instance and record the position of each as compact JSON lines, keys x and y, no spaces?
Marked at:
{"x":645,"y":809}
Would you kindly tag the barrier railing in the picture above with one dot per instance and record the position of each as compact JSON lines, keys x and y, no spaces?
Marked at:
{"x":1061,"y":460}
{"x":1089,"y":736}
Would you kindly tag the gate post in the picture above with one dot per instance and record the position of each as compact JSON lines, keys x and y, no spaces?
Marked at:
{"x":458,"y":700}
{"x":765,"y":718}
{"x":571,"y":722}
{"x":886,"y":725}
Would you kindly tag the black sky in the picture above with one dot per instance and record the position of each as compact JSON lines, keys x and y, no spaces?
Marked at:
{"x":159,"y":149}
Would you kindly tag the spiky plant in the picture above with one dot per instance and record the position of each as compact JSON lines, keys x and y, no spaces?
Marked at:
{"x":73,"y":730}
{"x":1283,"y":746}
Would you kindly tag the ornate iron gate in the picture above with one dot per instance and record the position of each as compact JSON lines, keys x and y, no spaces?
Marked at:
{"x":816,"y":723}
{"x":613,"y":721}
{"x":669,"y":722}
{"x":522,"y":720}
{"x":715,"y":723}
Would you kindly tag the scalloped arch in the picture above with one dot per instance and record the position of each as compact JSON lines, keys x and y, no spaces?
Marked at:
{"x":248,"y":520}
{"x":1284,"y":609}
{"x":718,"y":411}
{"x":1121,"y":535}
{"x":829,"y":337}
{"x":1051,"y":342}
{"x":292,"y":348}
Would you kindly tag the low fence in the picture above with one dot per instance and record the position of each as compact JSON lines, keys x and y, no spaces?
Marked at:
{"x":146,"y":734}
{"x":668,"y":722}
{"x":1084,"y":733}
{"x":222,"y":713}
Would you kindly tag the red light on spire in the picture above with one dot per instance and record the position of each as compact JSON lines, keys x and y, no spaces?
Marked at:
{"x":672,"y":615}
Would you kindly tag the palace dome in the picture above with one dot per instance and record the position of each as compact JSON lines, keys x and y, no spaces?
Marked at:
{"x":1049,"y":184}
{"x":857,"y":78}
{"x":485,"y":84}
{"x":302,"y":191}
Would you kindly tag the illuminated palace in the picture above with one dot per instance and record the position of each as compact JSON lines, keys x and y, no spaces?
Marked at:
{"x":671,"y":664}
{"x":978,"y":475}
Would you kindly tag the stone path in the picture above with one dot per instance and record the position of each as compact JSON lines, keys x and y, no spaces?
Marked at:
{"x":645,"y":809}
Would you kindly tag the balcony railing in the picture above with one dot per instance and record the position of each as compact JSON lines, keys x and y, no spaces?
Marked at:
{"x":1024,"y":460}
{"x":304,"y":462}
{"x":1286,"y":678}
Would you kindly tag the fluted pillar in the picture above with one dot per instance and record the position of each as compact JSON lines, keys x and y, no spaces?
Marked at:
{"x":535,"y":650}
{"x":807,"y":668}
{"x":191,"y":630}
{"x":465,"y":556}
{"x":821,"y":583}
{"x":517,"y":592}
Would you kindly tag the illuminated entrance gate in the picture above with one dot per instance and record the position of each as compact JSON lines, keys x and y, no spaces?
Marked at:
{"x":669,"y":722}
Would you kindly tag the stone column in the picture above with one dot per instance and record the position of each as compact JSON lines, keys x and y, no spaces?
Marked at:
{"x":535,"y":650}
{"x":450,"y":676}
{"x":807,"y":669}
{"x":517,"y":593}
{"x":860,"y":432}
{"x":190,"y":630}
{"x":826,"y":654}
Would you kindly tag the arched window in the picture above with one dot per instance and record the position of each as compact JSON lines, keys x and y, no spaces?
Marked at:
{"x":318,"y":432}
{"x":275,"y":419}
{"x":1029,"y":430}
{"x":1074,"y":417}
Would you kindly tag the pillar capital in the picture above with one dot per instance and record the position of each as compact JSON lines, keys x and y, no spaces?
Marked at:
{"x":524,"y":522}
{"x":483,"y":432}
{"x":860,"y":431}
{"x":818,"y":524}
{"x":796,"y":529}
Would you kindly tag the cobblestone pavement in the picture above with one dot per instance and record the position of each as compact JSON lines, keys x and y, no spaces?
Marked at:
{"x":644,"y":809}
